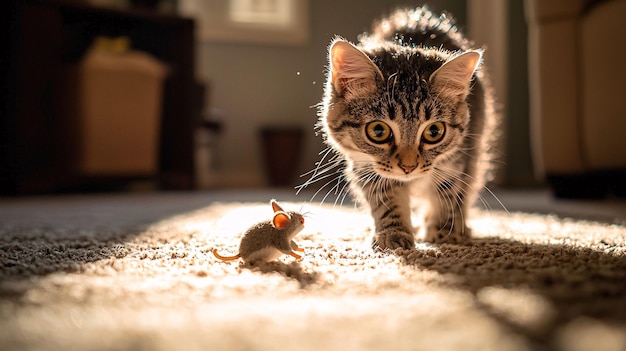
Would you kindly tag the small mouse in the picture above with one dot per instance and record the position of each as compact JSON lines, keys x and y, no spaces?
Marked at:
{"x":268,"y":240}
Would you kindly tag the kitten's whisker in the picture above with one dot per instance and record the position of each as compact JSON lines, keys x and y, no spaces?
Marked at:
{"x":459,"y":178}
{"x":338,"y":179}
{"x":384,"y":187}
{"x":320,"y":163}
{"x":446,"y":200}
{"x":320,"y":176}
{"x":497,"y":199}
{"x":335,"y":188}
{"x":488,"y":190}
{"x":342,"y":191}
{"x":318,"y":179}
{"x":327,"y":168}
{"x":321,"y":167}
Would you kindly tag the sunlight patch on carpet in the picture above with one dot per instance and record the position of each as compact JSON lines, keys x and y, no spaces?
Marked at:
{"x":524,"y":279}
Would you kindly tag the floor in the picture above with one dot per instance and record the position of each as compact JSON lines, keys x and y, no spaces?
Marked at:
{"x":612,"y":211}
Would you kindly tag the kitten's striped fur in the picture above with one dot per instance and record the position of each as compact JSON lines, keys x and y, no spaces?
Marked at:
{"x":410,"y":114}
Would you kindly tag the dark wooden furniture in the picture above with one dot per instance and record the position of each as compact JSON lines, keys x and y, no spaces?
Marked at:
{"x":42,"y":39}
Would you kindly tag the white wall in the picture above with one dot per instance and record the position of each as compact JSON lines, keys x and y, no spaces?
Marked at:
{"x":500,"y":27}
{"x":259,"y":85}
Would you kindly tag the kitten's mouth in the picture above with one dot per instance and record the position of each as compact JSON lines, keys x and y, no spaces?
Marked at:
{"x":402,"y":174}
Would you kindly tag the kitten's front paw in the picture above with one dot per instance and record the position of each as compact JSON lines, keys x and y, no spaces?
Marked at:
{"x":393,"y":239}
{"x":447,"y":235}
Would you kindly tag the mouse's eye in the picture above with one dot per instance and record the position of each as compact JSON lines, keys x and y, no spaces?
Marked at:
{"x":302,"y":220}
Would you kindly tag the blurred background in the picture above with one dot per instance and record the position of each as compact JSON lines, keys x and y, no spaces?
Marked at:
{"x":211,"y":94}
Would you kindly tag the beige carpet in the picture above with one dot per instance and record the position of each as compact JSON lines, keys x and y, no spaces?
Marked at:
{"x":134,"y":272}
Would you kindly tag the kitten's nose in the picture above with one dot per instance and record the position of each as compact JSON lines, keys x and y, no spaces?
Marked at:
{"x":407,"y":168}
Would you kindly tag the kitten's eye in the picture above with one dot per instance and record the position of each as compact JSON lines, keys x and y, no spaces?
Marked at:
{"x":434,"y":133}
{"x":378,"y":132}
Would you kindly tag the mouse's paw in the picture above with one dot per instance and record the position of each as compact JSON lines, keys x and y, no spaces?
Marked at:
{"x":295,"y":255}
{"x":295,"y":247}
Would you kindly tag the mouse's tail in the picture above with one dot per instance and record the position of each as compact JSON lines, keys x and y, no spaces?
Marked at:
{"x":225,"y":258}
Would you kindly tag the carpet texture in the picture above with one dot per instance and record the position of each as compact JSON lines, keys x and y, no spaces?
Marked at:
{"x":123,"y":272}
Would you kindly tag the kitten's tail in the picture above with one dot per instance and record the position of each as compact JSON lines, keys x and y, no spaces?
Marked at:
{"x":420,"y":26}
{"x":225,"y":258}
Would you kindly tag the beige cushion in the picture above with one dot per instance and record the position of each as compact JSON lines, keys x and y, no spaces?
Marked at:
{"x":577,"y":70}
{"x":602,"y":53}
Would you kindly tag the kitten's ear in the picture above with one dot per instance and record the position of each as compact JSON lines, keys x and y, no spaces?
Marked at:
{"x":281,"y":220}
{"x":352,"y":73}
{"x":454,"y":77}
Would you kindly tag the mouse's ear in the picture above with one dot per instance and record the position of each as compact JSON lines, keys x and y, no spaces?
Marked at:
{"x":281,"y":220}
{"x":275,"y":206}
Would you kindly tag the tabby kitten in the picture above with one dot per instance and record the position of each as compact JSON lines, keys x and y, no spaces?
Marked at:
{"x":410,"y":114}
